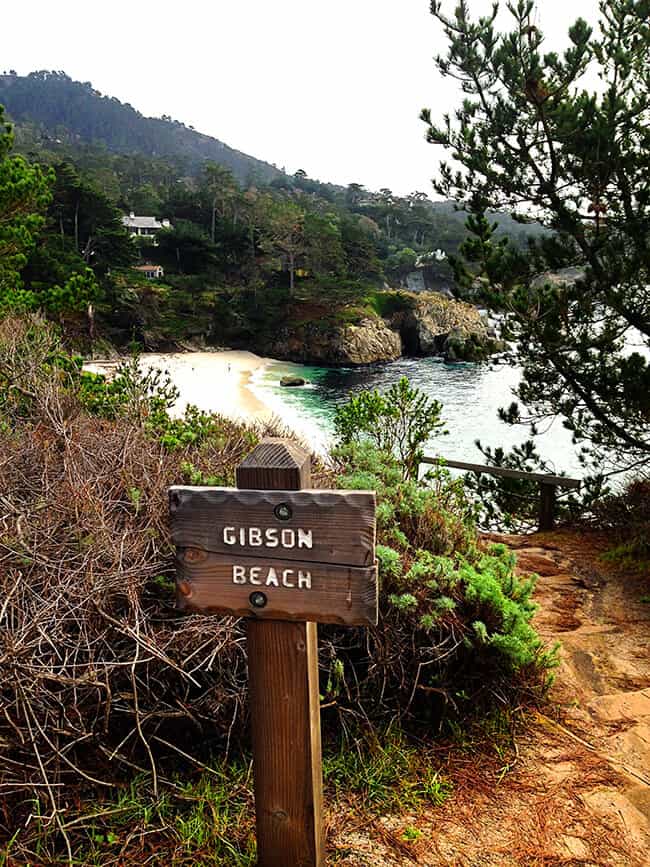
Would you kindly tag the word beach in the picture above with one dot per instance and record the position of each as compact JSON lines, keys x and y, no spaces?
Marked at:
{"x":263,"y":576}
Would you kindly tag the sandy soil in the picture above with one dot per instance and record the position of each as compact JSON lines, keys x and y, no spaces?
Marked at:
{"x":577,"y":792}
{"x":229,"y":373}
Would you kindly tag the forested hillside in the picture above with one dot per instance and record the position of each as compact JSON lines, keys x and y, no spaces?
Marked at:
{"x":249,"y":249}
{"x":64,"y":118}
{"x":73,"y":112}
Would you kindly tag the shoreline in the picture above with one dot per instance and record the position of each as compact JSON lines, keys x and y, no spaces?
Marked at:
{"x":230,"y":372}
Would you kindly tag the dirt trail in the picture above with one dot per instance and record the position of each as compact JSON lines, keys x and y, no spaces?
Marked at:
{"x":579,"y":792}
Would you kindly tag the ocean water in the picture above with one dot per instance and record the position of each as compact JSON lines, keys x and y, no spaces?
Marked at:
{"x":471,"y":395}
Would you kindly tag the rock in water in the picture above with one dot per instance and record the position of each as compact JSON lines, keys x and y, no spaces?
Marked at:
{"x":292,"y":381}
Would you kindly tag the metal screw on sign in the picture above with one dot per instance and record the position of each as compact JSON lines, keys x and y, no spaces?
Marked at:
{"x":258,"y":600}
{"x":283,"y":512}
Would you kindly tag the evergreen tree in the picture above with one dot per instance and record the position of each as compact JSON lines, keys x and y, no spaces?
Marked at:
{"x":484,"y":258}
{"x":24,"y":195}
{"x":528,"y":136}
{"x":223,"y":189}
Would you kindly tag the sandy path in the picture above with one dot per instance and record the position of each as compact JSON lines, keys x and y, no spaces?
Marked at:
{"x":577,"y":793}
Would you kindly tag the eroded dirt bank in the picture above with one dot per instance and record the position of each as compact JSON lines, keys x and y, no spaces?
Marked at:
{"x":577,"y":792}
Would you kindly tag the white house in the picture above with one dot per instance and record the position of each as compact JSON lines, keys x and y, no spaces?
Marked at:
{"x":151,"y":272}
{"x":139,"y":227}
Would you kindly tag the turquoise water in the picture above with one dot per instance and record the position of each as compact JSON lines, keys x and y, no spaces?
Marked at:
{"x":470,"y":394}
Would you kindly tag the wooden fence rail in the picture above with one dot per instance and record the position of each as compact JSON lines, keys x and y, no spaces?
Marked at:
{"x":548,"y":484}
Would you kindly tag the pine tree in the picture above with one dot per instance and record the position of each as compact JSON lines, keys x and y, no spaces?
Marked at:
{"x":24,"y":196}
{"x":530,"y":138}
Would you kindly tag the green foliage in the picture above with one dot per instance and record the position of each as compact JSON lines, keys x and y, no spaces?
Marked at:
{"x":246,"y":248}
{"x":208,"y":818}
{"x":634,"y":555}
{"x":443,"y":597}
{"x":400,"y":421}
{"x":187,"y":248}
{"x":142,"y":396}
{"x":390,"y":562}
{"x":403,"y":601}
{"x":401,"y":263}
{"x":385,"y":303}
{"x":513,"y":504}
{"x":433,"y":513}
{"x":194,"y":476}
{"x":24,"y":195}
{"x":484,"y":256}
{"x":53,"y":100}
{"x":146,"y":396}
{"x":74,"y":296}
{"x":135,"y":496}
{"x":626,"y":515}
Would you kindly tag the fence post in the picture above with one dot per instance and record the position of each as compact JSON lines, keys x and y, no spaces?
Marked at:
{"x":546,"y":506}
{"x":284,"y":699}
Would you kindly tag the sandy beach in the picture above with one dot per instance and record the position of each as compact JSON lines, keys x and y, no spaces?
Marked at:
{"x":229,"y":374}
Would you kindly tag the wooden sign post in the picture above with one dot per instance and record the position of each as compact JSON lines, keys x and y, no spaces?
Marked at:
{"x":286,"y":558}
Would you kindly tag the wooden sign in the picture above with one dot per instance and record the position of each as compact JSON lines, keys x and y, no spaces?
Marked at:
{"x":274,"y":551}
{"x":278,"y":555}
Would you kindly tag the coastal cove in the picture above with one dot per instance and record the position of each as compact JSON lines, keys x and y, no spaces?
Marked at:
{"x":246,"y":386}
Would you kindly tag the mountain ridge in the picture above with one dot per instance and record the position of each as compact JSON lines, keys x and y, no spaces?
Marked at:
{"x":60,"y":105}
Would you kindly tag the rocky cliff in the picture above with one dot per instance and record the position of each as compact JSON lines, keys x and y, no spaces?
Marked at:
{"x":431,"y":324}
{"x":325,"y":342}
{"x":418,"y":324}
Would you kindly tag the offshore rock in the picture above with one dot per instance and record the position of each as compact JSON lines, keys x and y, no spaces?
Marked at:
{"x":292,"y":381}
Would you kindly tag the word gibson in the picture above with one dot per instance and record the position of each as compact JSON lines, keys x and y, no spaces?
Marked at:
{"x":255,"y":537}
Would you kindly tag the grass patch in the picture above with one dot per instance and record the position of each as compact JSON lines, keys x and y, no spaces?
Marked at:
{"x":206,"y":821}
{"x":386,"y":303}
{"x":210,"y":819}
{"x":387,"y":773}
{"x":491,"y":737}
{"x":630,"y":555}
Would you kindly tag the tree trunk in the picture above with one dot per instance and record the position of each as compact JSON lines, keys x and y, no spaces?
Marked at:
{"x":214,"y":220}
{"x":76,"y":226}
{"x":291,"y":271}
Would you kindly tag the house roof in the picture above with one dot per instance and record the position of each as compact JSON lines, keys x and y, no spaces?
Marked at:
{"x":148,"y":268}
{"x":133,"y":222}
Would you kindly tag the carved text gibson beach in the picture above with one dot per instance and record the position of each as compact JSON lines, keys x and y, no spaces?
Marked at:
{"x":283,"y":555}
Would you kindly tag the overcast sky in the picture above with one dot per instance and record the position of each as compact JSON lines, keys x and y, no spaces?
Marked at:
{"x":332,"y":87}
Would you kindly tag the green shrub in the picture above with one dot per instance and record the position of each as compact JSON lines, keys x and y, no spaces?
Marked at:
{"x":385,"y":303}
{"x":455,"y":620}
{"x":513,"y":504}
{"x":400,"y":421}
{"x":627,"y":516}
